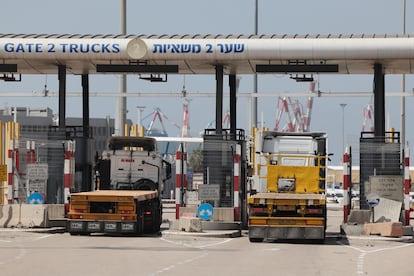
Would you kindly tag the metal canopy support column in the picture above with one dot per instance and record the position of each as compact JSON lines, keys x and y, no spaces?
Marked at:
{"x":85,"y":163}
{"x":85,"y":105}
{"x":219,"y":99}
{"x":233,"y":99}
{"x":379,"y":101}
{"x":62,"y":95}
{"x":121,"y":100}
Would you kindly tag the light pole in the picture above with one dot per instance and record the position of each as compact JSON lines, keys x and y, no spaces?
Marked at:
{"x":403,"y":91}
{"x":139,"y":123}
{"x":140,"y":110}
{"x":255,"y":86}
{"x":343,"y":105}
{"x":121,"y":100}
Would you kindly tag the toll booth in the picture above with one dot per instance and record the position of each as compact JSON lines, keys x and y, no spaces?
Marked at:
{"x":379,"y":163}
{"x":224,"y":161}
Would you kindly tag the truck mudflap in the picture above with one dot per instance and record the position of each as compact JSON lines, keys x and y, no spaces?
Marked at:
{"x":82,"y":227}
{"x":260,"y":233}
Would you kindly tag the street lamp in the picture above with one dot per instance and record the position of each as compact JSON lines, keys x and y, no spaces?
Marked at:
{"x":139,"y":123}
{"x":343,"y":105}
{"x":402,"y":102}
{"x":140,"y":110}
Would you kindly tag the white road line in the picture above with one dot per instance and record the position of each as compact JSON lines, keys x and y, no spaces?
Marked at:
{"x":186,"y":261}
{"x":42,"y":237}
{"x":193,"y":246}
{"x":363,"y":253}
{"x":22,"y":253}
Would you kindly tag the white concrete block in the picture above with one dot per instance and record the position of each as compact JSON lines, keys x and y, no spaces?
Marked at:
{"x":23,"y":215}
{"x":190,"y":224}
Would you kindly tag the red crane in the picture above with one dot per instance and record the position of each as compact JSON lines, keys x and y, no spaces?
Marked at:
{"x":158,"y":114}
{"x":368,"y":113}
{"x":185,"y":130}
{"x":297,"y":120}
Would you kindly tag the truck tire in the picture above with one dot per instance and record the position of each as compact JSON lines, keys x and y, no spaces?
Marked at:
{"x":255,"y":239}
{"x":79,"y":233}
{"x":145,"y":185}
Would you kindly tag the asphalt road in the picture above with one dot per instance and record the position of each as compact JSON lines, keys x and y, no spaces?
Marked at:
{"x":28,"y":253}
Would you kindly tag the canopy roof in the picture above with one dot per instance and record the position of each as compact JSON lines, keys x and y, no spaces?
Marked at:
{"x":199,"y":54}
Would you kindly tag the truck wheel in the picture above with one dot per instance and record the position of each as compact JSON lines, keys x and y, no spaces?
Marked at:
{"x":145,"y":185}
{"x":255,"y":239}
{"x":79,"y":233}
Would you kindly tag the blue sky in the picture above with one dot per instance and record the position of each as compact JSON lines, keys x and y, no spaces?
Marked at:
{"x":216,"y":17}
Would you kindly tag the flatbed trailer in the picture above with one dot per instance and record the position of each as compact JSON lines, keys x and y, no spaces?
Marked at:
{"x":114,"y":212}
{"x":288,"y":201}
{"x":287,"y":216}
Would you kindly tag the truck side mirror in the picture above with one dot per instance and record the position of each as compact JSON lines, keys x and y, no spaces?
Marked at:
{"x":167,"y":169}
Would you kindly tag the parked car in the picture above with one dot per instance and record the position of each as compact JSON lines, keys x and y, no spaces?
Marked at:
{"x":331,"y":198}
{"x":339,"y":197}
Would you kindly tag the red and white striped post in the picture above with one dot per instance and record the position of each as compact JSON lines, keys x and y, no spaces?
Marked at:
{"x":180,"y":178}
{"x":68,"y":172}
{"x":16,"y":156}
{"x":177,"y":183}
{"x":29,"y":160}
{"x":28,"y":153}
{"x":346,"y":182}
{"x":10,"y":159}
{"x":407,"y":184}
{"x":33,"y":153}
{"x":236,"y":185}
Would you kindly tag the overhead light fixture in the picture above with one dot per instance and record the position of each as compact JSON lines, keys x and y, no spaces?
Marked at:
{"x":154,"y":78}
{"x":302,"y":78}
{"x":10,"y":77}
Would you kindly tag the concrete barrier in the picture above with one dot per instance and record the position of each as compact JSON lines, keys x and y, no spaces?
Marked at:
{"x":385,"y":229}
{"x":359,"y":216}
{"x":31,"y":215}
{"x":225,"y":214}
{"x":55,"y":215}
{"x":23,"y":215}
{"x":190,"y":224}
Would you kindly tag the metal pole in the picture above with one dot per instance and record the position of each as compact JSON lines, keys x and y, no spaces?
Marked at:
{"x":85,"y":105}
{"x":343,"y":105}
{"x":219,"y":99}
{"x":379,"y":102}
{"x":233,"y":99}
{"x":402,"y":97}
{"x":182,"y":191}
{"x":62,"y":95}
{"x":140,"y":110}
{"x":254,"y":103}
{"x":121,"y":100}
{"x":141,"y":130}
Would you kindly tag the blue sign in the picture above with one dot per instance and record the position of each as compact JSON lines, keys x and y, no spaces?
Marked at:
{"x":205,"y":211}
{"x":373,"y":200}
{"x":36,"y":198}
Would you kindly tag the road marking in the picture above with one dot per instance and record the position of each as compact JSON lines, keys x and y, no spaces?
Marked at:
{"x":186,"y":261}
{"x":272,"y":249}
{"x":4,"y":241}
{"x":363,"y":253}
{"x":22,"y":253}
{"x":168,"y":268}
{"x":42,"y":237}
{"x":194,"y":246}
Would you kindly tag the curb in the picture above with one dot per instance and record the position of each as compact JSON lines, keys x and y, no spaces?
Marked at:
{"x":207,"y":233}
{"x":52,"y":230}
